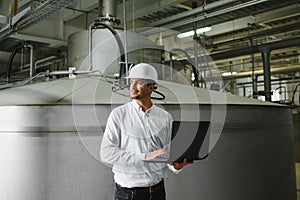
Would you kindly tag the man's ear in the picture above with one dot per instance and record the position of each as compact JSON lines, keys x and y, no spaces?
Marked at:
{"x":152,"y":86}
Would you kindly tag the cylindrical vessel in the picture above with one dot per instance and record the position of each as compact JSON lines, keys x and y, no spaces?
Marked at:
{"x":105,"y":51}
{"x":50,"y":136}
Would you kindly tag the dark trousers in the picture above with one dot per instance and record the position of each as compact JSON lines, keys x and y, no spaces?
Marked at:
{"x":156,"y":192}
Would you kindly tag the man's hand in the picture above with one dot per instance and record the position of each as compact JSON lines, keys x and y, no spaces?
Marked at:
{"x":156,"y":153}
{"x":179,"y":166}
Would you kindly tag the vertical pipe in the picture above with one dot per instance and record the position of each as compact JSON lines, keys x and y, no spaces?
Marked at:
{"x":254,"y":77}
{"x":14,"y":7}
{"x":171,"y":65}
{"x":125,"y":39}
{"x":90,"y":34}
{"x":133,"y":16}
{"x":32,"y":69}
{"x":109,"y":9}
{"x":100,"y":7}
{"x":267,"y":73}
{"x":194,"y":5}
{"x":254,"y":85}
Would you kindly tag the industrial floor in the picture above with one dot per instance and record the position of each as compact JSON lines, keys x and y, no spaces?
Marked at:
{"x":298,"y":179}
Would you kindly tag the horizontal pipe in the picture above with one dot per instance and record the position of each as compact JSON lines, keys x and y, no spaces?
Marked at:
{"x":192,"y":12}
{"x":214,"y":14}
{"x":282,"y":29}
{"x":256,"y":49}
{"x":260,"y":72}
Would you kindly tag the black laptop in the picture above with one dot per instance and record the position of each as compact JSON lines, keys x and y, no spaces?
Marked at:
{"x":190,"y":140}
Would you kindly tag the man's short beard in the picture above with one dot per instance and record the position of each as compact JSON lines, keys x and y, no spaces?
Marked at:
{"x":136,"y":97}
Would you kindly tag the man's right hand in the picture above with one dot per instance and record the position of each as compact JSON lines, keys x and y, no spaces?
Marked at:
{"x":156,"y":153}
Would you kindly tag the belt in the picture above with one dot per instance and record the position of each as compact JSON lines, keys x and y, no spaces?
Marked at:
{"x":145,"y":189}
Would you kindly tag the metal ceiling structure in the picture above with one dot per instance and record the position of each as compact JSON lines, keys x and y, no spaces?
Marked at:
{"x":241,"y":29}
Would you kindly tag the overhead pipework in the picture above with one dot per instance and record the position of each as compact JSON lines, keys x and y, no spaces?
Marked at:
{"x":31,"y":15}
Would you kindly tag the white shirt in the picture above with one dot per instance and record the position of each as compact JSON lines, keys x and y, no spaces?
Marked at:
{"x":131,"y":133}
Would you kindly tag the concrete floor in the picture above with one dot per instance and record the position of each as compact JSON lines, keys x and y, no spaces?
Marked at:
{"x":298,"y":179}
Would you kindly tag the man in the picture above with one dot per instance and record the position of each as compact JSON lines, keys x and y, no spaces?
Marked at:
{"x":135,"y":132}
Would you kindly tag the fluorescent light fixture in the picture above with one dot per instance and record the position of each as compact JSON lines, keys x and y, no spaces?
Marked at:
{"x":190,"y":33}
{"x":228,"y":73}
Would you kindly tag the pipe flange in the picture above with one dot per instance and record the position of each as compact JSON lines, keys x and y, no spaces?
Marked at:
{"x":108,"y":19}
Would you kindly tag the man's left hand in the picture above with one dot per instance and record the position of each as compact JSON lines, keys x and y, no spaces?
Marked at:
{"x":179,"y":166}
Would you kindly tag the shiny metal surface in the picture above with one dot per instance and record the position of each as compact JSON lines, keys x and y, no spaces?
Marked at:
{"x":50,"y":137}
{"x":101,"y":60}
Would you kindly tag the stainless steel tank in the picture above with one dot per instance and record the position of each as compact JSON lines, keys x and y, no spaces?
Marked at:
{"x":50,"y":137}
{"x":105,"y":52}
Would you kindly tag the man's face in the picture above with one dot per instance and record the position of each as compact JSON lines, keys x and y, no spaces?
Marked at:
{"x":139,"y":88}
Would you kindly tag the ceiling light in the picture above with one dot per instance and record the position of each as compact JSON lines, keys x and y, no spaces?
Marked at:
{"x":190,"y":33}
{"x":228,"y":73}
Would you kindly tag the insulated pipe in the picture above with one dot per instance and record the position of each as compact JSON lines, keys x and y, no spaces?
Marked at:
{"x":267,"y":73}
{"x":10,"y":60}
{"x":120,"y":45}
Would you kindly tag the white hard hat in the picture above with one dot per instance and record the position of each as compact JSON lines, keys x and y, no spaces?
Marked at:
{"x":143,"y":71}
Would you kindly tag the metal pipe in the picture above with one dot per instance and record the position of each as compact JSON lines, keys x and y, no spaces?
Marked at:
{"x":267,"y":73}
{"x":42,"y":61}
{"x":121,"y":49}
{"x":108,"y":9}
{"x":133,"y":16}
{"x":171,"y":66}
{"x":32,"y":69}
{"x":260,"y":72}
{"x":90,"y":34}
{"x":195,"y":43}
{"x":14,"y":7}
{"x":217,"y":13}
{"x":107,"y":12}
{"x":100,"y":6}
{"x":10,"y":60}
{"x":192,"y":12}
{"x":125,"y":39}
{"x":246,"y":50}
{"x":286,"y":28}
